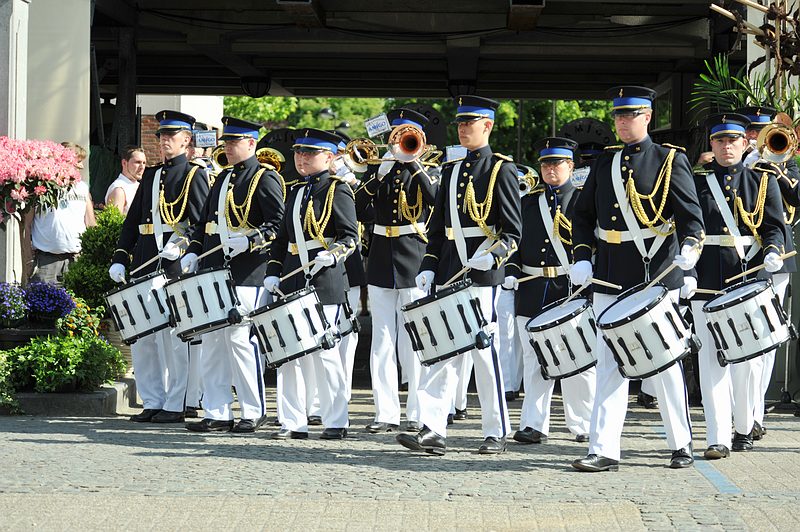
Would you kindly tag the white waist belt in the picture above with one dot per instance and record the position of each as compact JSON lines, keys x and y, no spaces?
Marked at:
{"x":393,"y":231}
{"x":468,"y":232}
{"x":310,"y":244}
{"x":549,"y":272}
{"x":613,"y":236}
{"x":148,"y":229}
{"x":728,"y":241}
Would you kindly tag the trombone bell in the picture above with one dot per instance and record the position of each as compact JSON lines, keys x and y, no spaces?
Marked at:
{"x":407,"y":143}
{"x":777,"y":143}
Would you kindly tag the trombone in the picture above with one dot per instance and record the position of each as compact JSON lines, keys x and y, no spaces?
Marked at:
{"x":406,"y":144}
{"x":264,"y":155}
{"x":777,"y":142}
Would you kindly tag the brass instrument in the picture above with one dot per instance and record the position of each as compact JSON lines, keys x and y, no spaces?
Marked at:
{"x":777,"y":142}
{"x":528,"y":181}
{"x":359,"y":153}
{"x":407,"y":143}
{"x":270,"y":156}
{"x":219,"y":158}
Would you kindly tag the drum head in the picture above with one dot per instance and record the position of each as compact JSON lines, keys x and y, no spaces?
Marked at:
{"x":134,"y":282}
{"x":736,"y":294}
{"x":557,"y":313}
{"x":632,"y":304}
{"x":439,"y":294}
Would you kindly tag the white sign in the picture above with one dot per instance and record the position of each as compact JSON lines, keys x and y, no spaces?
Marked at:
{"x":205,"y":139}
{"x":455,"y":152}
{"x":377,"y":125}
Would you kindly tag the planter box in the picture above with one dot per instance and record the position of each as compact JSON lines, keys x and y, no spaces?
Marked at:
{"x":11,"y":338}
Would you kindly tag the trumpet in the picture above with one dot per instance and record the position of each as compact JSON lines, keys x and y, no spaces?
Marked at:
{"x":528,"y":181}
{"x":777,"y":143}
{"x":270,"y":156}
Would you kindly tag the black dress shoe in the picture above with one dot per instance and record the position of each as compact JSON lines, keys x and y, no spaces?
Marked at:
{"x":582,"y":438}
{"x":314,"y":420}
{"x":165,"y":416}
{"x":333,"y":434}
{"x":190,"y":412}
{"x":379,"y":426}
{"x":742,"y":442}
{"x":460,"y":415}
{"x":529,"y":435}
{"x":492,"y":445}
{"x":425,"y":440}
{"x":594,"y":463}
{"x":145,"y":415}
{"x":681,"y":458}
{"x":286,"y":434}
{"x":449,"y":419}
{"x":210,"y":425}
{"x":716,"y":451}
{"x":511,"y":396}
{"x":249,"y":425}
{"x":646,"y":400}
{"x":758,"y":431}
{"x":276,"y":422}
{"x":412,"y":426}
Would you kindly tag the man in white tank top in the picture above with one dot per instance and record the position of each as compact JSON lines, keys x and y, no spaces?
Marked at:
{"x":121,"y":191}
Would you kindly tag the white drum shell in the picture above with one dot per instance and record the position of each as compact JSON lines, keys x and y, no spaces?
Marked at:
{"x":140,"y":307}
{"x":201,"y":302}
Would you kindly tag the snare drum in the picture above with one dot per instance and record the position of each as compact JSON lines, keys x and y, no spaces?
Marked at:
{"x":292,"y":327}
{"x":746,"y":321}
{"x":347,"y":322}
{"x":563,"y":337}
{"x":139,"y":308}
{"x":202,"y":302}
{"x":645,"y":331}
{"x":446,"y":323}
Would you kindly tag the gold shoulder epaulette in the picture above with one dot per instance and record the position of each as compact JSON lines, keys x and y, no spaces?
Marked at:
{"x":699,"y":170}
{"x":504,"y":157}
{"x":667,"y":145}
{"x":268,"y":166}
{"x":453,"y":161}
{"x":157,"y":165}
{"x":538,"y":189}
{"x":766,"y":169}
{"x":201,"y":164}
{"x":615,"y":147}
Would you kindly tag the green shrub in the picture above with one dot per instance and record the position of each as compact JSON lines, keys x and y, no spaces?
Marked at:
{"x":7,"y":400}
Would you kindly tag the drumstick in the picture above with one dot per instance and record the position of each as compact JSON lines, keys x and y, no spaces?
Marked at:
{"x":708,"y":291}
{"x":593,"y":280}
{"x":465,"y":269}
{"x":309,"y":263}
{"x":155,"y":258}
{"x":574,"y":294}
{"x":220,"y":246}
{"x":759,"y":267}
{"x":661,"y":275}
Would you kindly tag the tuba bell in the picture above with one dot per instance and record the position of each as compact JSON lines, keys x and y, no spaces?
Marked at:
{"x":777,"y":143}
{"x":270,"y":156}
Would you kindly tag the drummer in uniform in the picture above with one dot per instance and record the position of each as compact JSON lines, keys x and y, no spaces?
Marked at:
{"x":397,"y":197}
{"x":170,"y":199}
{"x":477,"y":208}
{"x":744,"y":221}
{"x":545,"y":252}
{"x":634,"y":244}
{"x":320,"y":223}
{"x":241,"y":216}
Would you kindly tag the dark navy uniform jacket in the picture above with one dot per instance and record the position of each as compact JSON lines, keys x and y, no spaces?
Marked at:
{"x":137,"y":244}
{"x":718,"y":263}
{"x":394,"y":260}
{"x":330,"y":283}
{"x":536,"y":249}
{"x":788,"y":176}
{"x":441,"y":255}
{"x":265,"y":213}
{"x":597,"y":206}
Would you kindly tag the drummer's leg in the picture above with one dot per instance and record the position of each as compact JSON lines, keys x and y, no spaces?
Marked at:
{"x":382,"y":363}
{"x":292,"y":399}
{"x":215,"y":375}
{"x":177,"y":359}
{"x":436,"y":389}
{"x":746,"y":381}
{"x":781,"y":283}
{"x":331,"y":380}
{"x":538,"y":391}
{"x":348,"y":345}
{"x":715,"y":384}
{"x":464,"y":374}
{"x":248,"y":372}
{"x":194,"y":390}
{"x":611,"y":398}
{"x":578,"y":394}
{"x":506,"y":333}
{"x":150,"y":371}
{"x":409,"y":359}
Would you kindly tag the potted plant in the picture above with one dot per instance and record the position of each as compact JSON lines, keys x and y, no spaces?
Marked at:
{"x":13,"y":305}
{"x":48,"y":302}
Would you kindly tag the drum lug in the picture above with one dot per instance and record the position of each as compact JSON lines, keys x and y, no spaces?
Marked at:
{"x":694,"y":343}
{"x":356,"y":324}
{"x":792,"y":331}
{"x":172,"y":321}
{"x":545,"y":376}
{"x":721,"y":359}
{"x":234,"y":316}
{"x":482,"y":340}
{"x":622,"y":372}
{"x":328,"y":341}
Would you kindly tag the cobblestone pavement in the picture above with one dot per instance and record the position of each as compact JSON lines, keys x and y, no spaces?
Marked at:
{"x":109,"y":473}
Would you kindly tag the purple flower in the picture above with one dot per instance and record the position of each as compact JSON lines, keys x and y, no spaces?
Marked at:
{"x":49,"y":299}
{"x":13,"y":305}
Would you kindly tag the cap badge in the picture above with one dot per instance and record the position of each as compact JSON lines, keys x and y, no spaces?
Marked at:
{"x":620,"y":92}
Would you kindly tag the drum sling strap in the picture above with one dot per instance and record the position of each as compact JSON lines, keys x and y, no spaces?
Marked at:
{"x":299,"y":237}
{"x":547,"y":219}
{"x":455,"y":221}
{"x":630,"y":219}
{"x":727,"y":218}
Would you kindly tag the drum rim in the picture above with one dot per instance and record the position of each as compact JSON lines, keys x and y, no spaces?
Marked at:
{"x":139,"y":336}
{"x":439,"y":294}
{"x":649,"y":374}
{"x":288,"y":298}
{"x":451,"y":354}
{"x":272,"y":365}
{"x":638,"y":314}
{"x":756,"y":354}
{"x":573,"y":372}
{"x":549,"y":325}
{"x":134,"y":282}
{"x":708,"y":307}
{"x":189,"y":334}
{"x":184,"y":276}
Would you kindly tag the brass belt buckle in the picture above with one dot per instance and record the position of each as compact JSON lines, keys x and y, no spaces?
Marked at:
{"x":613,"y":236}
{"x":727,"y":241}
{"x":145,"y":229}
{"x":392,"y":231}
{"x":293,"y":248}
{"x":449,"y":232}
{"x":211,"y":228}
{"x":551,"y":272}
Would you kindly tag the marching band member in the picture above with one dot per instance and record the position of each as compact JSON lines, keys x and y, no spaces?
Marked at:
{"x":243,"y":213}
{"x":545,"y":251}
{"x":398,"y":197}
{"x":169,"y":199}
{"x":320,"y":219}
{"x":740,"y":206}
{"x":631,"y":231}
{"x":477,"y":206}
{"x":788,"y":176}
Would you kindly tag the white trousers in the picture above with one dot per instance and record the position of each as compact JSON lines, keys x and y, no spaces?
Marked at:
{"x":231,"y":356}
{"x":349,"y":343}
{"x":439,"y":381}
{"x":326,"y":366}
{"x":194,"y":388}
{"x":509,"y":348}
{"x":577,"y":393}
{"x":161,"y":370}
{"x":611,"y":398}
{"x":390,"y":337}
{"x":781,"y":283}
{"x":464,"y":368}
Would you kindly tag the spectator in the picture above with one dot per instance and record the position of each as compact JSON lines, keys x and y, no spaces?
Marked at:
{"x":121,"y":192}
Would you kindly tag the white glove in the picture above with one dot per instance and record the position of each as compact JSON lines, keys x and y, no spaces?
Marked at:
{"x":271,"y":283}
{"x":117,"y":272}
{"x":481,"y":261}
{"x":349,"y":178}
{"x":386,"y":166}
{"x":688,"y":288}
{"x":339,"y":168}
{"x":170,"y":251}
{"x":324,"y":259}
{"x":773,"y":262}
{"x":189,"y":263}
{"x":510,"y":283}
{"x":580,"y":273}
{"x":688,"y":257}
{"x":424,"y":280}
{"x":234,"y":246}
